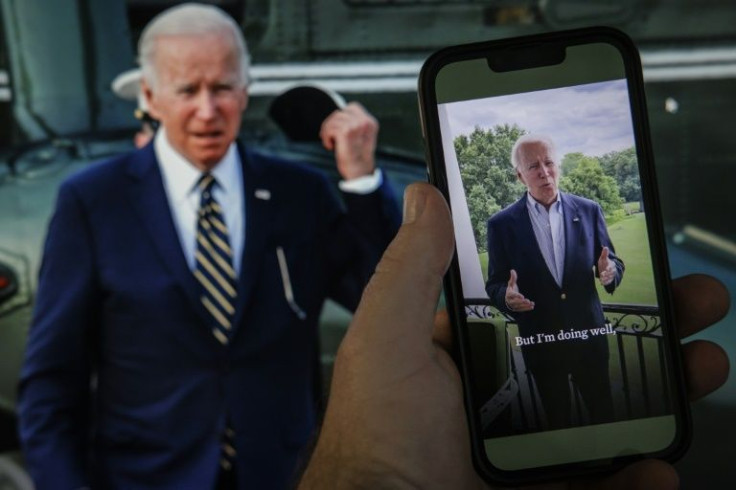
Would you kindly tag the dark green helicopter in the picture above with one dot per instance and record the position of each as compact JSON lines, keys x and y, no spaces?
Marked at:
{"x":59,"y":114}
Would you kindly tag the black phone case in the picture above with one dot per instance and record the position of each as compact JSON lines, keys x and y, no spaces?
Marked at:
{"x":527,"y":52}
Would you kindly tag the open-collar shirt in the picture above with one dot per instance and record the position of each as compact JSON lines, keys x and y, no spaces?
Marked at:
{"x":549,"y":230}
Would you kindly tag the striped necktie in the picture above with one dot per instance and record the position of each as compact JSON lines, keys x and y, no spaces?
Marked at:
{"x":214,"y":263}
{"x":216,"y":276}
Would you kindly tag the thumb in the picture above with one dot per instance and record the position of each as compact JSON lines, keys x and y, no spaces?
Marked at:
{"x":512,"y":280}
{"x":398,"y":305}
{"x":604,"y":256}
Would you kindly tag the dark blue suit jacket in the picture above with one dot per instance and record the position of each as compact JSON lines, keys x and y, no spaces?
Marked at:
{"x":124,"y":385}
{"x":574,"y":305}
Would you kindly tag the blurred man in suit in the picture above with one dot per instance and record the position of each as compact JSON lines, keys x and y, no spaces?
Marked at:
{"x":174,"y":338}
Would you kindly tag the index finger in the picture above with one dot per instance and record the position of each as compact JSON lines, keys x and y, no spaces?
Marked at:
{"x":700,"y":301}
{"x":326,"y":131}
{"x":512,"y":278}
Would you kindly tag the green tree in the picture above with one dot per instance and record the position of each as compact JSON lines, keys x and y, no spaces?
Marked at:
{"x":622,"y":166}
{"x":571,"y":161}
{"x":489,"y":180}
{"x":589,"y":180}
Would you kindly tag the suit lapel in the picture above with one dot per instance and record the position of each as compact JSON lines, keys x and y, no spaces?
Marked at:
{"x":148,"y":198}
{"x":259,"y":209}
{"x":573,"y":229}
{"x":528,"y":240}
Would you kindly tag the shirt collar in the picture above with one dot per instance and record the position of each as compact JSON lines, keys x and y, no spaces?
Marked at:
{"x":181,"y":175}
{"x":533,"y":204}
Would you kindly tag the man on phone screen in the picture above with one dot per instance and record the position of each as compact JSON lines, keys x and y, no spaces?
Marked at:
{"x":544,"y":254}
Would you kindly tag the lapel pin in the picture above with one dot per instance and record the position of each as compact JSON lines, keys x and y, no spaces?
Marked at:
{"x":264,"y":194}
{"x":575,"y":219}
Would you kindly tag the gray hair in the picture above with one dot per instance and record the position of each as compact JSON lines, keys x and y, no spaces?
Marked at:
{"x":185,"y":20}
{"x":532,"y":138}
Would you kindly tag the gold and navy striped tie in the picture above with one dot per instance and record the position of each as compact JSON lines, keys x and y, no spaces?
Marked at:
{"x":216,"y":276}
{"x":214,"y":263}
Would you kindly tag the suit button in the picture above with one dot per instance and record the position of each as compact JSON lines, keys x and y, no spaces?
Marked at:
{"x":563,"y":296}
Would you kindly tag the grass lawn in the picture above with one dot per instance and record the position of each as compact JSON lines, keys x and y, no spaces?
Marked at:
{"x":629,"y":237}
{"x":630,"y":240}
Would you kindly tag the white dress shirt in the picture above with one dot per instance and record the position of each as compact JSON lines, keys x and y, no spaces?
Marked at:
{"x":180,"y":179}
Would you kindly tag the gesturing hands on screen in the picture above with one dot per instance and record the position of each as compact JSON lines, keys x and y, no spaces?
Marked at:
{"x":606,"y":268}
{"x":515,"y":301}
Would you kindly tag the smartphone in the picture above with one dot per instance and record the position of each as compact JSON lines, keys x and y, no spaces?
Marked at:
{"x":559,"y":292}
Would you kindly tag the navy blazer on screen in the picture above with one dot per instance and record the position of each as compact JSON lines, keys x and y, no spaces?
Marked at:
{"x":574,"y":305}
{"x":124,"y":385}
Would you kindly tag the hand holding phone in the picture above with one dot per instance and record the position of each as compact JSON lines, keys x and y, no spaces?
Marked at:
{"x":383,"y":428}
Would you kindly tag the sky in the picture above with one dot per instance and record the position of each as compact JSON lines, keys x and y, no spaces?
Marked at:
{"x":593,"y":118}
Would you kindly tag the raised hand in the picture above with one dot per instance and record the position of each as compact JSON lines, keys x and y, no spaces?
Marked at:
{"x":351,"y":133}
{"x":515,"y":301}
{"x":606,"y":268}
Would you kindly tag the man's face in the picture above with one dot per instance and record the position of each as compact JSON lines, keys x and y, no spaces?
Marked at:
{"x":538,"y":171}
{"x":198,"y":96}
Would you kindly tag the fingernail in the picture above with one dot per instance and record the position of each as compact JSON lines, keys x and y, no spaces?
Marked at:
{"x":415,"y":198}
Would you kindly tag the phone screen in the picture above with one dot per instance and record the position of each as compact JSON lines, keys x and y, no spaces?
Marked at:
{"x":560,"y":260}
